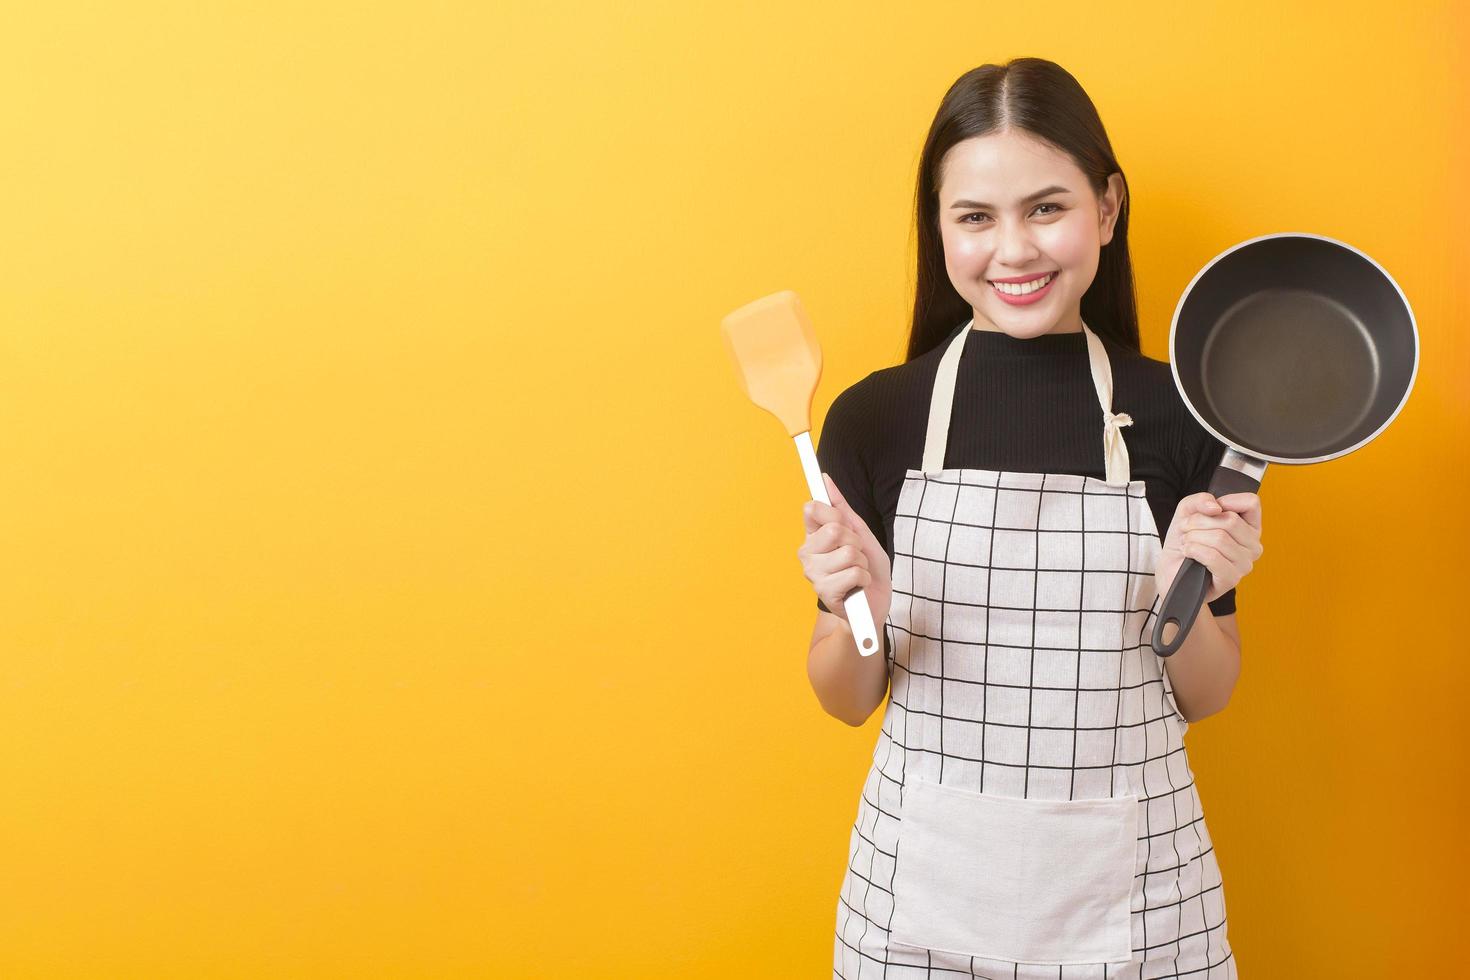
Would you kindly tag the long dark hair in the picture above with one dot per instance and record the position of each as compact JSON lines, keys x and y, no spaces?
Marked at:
{"x":1043,"y":99}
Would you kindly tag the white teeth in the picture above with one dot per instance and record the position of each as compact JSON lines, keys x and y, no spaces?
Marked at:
{"x":1022,"y":288}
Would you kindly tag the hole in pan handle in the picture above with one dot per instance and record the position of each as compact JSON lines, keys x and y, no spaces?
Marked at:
{"x":1237,"y":473}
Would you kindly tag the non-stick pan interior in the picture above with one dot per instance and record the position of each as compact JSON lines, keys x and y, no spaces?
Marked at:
{"x":1294,"y":348}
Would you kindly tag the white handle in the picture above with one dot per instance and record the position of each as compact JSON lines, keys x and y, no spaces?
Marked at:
{"x":859,"y":616}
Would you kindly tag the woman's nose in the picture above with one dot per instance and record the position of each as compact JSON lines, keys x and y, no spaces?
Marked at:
{"x":1015,"y":247}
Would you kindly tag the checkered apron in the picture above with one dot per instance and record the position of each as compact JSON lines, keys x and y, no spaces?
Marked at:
{"x":1030,"y":811}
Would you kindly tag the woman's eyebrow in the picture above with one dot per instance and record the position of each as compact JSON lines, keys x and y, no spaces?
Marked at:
{"x":1025,"y":200}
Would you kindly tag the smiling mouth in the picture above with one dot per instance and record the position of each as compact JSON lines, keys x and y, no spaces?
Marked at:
{"x":1023,"y":288}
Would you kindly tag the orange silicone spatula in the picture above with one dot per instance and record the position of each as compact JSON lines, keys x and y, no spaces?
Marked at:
{"x":779,"y":362}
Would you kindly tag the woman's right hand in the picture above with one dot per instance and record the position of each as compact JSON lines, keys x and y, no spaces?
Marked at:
{"x":840,"y":555}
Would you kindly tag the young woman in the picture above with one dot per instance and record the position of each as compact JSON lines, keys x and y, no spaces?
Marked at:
{"x":1030,"y":811}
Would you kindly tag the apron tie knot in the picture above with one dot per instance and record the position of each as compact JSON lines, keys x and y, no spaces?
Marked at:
{"x":1115,"y":451}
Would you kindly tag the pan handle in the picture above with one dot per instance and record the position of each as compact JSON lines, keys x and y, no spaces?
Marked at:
{"x":1237,"y":473}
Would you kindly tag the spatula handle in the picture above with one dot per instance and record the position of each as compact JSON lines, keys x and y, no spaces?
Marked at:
{"x":859,"y":615}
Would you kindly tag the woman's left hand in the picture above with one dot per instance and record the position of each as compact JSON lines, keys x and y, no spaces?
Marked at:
{"x":1221,"y":533}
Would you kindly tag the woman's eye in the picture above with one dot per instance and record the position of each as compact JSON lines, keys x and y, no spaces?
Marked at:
{"x":981,"y":214}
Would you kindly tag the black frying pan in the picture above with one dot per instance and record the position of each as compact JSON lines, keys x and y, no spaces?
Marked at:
{"x":1288,"y":348}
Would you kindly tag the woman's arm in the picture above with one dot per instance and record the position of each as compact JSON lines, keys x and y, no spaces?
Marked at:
{"x":1204,"y":669}
{"x":848,"y":685}
{"x":839,"y":552}
{"x":1224,"y":534}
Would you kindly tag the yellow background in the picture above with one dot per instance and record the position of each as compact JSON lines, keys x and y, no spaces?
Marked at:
{"x":395,"y":583}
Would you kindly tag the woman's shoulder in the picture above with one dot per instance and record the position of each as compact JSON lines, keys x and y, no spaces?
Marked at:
{"x":1144,"y":386}
{"x":872,"y":425}
{"x":886,"y":395}
{"x":1152,"y":369}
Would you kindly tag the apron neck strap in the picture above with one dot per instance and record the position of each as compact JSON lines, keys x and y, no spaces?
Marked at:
{"x":941,"y":405}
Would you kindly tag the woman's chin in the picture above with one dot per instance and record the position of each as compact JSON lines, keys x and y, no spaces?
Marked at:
{"x":1023,"y":332}
{"x":1022,"y":327}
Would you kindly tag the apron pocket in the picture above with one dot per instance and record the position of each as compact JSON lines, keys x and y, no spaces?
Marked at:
{"x":1022,"y":881}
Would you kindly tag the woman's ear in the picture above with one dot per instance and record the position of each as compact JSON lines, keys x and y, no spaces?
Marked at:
{"x":1109,"y":206}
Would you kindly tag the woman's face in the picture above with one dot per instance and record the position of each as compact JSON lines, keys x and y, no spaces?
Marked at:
{"x":995,"y":225}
